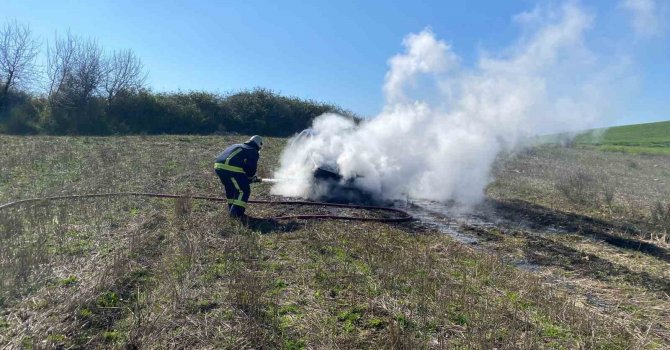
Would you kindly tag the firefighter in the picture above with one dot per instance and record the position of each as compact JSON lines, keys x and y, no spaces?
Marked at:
{"x":236,"y":168}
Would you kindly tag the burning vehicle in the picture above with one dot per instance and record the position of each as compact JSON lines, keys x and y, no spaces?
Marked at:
{"x":327,"y":184}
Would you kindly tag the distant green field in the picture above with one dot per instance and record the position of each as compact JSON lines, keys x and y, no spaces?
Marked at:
{"x":639,"y":135}
{"x":650,"y":138}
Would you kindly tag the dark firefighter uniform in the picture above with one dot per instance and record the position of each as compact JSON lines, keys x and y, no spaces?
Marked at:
{"x":236,"y":168}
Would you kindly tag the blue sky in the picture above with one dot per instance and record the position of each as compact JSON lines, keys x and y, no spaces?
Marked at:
{"x":332,"y":51}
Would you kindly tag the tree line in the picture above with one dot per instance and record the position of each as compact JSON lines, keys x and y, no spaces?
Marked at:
{"x":81,"y":89}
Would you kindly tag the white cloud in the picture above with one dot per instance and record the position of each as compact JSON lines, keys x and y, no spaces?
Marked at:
{"x":645,"y":16}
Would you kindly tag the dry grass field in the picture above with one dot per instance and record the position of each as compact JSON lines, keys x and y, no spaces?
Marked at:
{"x":589,"y":229}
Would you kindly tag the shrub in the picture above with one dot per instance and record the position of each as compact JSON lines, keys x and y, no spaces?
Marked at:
{"x":578,"y":186}
{"x":19,"y":114}
{"x":660,"y":218}
{"x":259,"y":111}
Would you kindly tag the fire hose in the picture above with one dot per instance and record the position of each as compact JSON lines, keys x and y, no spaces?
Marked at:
{"x":401,"y":217}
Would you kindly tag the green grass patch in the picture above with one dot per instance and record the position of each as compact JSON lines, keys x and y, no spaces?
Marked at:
{"x":649,"y":138}
{"x":661,"y":150}
{"x":113,"y":336}
{"x":69,"y":281}
{"x":108,"y":299}
{"x":648,"y":135}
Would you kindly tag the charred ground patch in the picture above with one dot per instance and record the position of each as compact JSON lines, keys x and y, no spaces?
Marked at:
{"x":619,"y":234}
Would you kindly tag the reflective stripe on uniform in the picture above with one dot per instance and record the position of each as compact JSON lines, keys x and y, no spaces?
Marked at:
{"x":226,"y":166}
{"x":223,"y":166}
{"x":239,"y":202}
{"x":233,"y":154}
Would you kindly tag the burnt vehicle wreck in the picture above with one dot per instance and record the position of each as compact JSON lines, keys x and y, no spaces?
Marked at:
{"x":329,"y":185}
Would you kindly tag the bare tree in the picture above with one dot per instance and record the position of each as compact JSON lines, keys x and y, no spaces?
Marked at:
{"x":61,"y":56}
{"x":89,"y":70}
{"x":75,"y":69}
{"x":124,"y":71}
{"x":18,"y":50}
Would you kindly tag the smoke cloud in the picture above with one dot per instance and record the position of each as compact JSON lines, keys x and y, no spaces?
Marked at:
{"x":444,"y":123}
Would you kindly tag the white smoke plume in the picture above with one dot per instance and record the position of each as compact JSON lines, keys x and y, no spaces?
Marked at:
{"x":442,"y":147}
